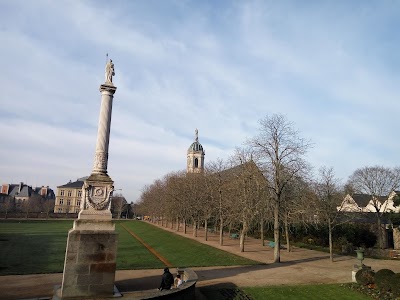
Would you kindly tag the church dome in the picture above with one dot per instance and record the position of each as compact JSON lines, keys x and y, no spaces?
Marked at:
{"x":195,"y":146}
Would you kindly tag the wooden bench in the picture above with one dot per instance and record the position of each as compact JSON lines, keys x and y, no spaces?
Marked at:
{"x":234,"y":236}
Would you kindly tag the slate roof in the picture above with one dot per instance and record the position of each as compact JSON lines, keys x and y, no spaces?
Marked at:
{"x":13,"y":189}
{"x":362,"y":200}
{"x":26,"y":191}
{"x":22,"y":190}
{"x":75,"y":184}
{"x":239,"y":169}
{"x":49,"y":192}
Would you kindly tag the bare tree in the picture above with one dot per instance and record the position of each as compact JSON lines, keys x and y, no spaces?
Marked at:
{"x":280,"y":152}
{"x":218,"y":180}
{"x":296,"y":206}
{"x":195,"y":197}
{"x":48,"y":206}
{"x":154,"y":200}
{"x":329,"y":196}
{"x":8,"y":204}
{"x":118,"y":202}
{"x":33,"y":204}
{"x":248,"y":187}
{"x":129,"y":210}
{"x":175,"y":196}
{"x":378,"y":182}
{"x":210,"y":205}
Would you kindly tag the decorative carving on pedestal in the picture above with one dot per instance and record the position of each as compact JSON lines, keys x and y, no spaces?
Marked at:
{"x":97,"y":197}
{"x":100,"y":161}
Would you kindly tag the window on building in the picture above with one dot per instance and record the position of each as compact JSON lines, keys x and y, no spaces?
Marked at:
{"x":78,"y":202}
{"x":61,"y":202}
{"x":59,"y":210}
{"x":196,"y":162}
{"x":76,"y":210}
{"x":79,"y":193}
{"x":62,"y":193}
{"x":68,"y":202}
{"x":69,"y":193}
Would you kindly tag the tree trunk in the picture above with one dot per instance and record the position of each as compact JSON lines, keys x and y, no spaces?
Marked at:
{"x":242,"y":235}
{"x":330,"y":239}
{"x":172,"y":223}
{"x":205,"y":229}
{"x":221,"y":231}
{"x":380,"y":235}
{"x":277,"y":248}
{"x":177,"y":223}
{"x":287,"y":234}
{"x":194,"y":228}
{"x":184,"y":226}
{"x":262,"y":231}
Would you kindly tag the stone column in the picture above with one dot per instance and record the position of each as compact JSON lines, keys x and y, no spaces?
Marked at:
{"x":103,"y":133}
{"x":91,"y":253}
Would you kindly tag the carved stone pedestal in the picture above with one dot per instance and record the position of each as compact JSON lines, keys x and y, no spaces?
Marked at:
{"x":90,"y":263}
{"x":90,"y":258}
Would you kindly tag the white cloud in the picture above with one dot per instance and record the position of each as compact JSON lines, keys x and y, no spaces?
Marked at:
{"x":218,"y":67}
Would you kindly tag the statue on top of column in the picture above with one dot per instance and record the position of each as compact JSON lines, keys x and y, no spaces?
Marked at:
{"x":109,"y":71}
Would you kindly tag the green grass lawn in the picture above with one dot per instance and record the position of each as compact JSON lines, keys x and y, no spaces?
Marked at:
{"x":132,"y":254}
{"x":297,"y":292}
{"x":31,"y":247}
{"x":306,"y":292}
{"x":184,"y":252}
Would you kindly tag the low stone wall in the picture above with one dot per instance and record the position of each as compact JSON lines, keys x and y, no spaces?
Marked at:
{"x":186,"y":291}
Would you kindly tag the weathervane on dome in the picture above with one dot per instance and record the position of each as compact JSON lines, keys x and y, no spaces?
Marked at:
{"x":196,"y":132}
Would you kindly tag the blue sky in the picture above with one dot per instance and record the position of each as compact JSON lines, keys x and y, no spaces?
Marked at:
{"x":331,"y":67}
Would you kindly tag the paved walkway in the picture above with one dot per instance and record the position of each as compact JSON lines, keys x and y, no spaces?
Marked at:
{"x":300,"y":266}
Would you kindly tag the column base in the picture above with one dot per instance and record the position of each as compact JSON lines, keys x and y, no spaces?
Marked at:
{"x":90,"y":262}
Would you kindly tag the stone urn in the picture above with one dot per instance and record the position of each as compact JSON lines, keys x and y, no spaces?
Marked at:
{"x":360,"y":255}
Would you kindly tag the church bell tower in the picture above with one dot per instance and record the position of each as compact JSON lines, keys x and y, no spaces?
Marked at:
{"x":195,"y":156}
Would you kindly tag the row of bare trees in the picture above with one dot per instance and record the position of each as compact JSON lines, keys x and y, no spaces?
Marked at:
{"x":35,"y":204}
{"x":268,"y":180}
